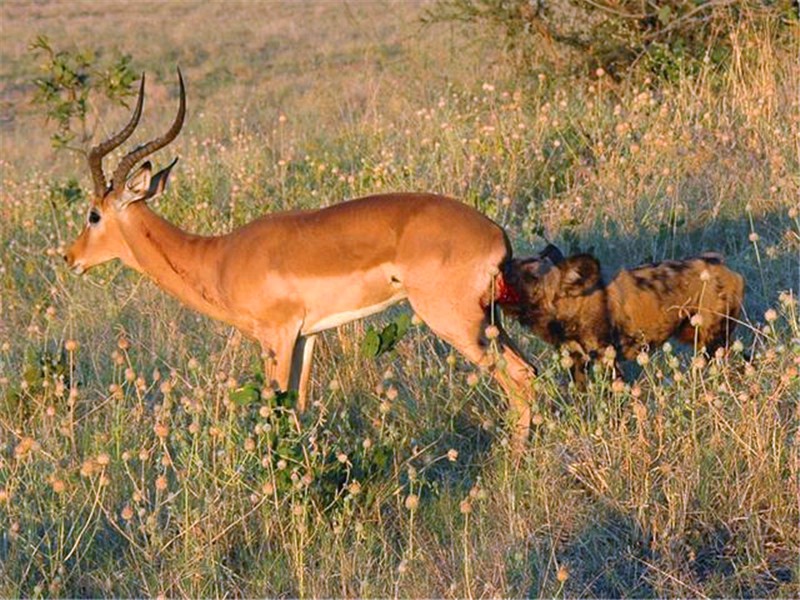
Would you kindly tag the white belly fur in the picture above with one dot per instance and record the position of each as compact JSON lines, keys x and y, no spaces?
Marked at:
{"x":341,"y":318}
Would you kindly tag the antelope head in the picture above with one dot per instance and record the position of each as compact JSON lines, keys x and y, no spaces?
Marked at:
{"x":101,"y":239}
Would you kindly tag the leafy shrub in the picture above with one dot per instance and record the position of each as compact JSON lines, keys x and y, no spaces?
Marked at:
{"x":665,"y":38}
{"x":70,"y":81}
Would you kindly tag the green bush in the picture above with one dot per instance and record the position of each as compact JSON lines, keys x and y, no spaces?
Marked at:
{"x":665,"y":38}
{"x":70,"y":82}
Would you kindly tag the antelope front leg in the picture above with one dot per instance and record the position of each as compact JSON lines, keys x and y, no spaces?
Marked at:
{"x":277,"y":352}
{"x":301,"y":369}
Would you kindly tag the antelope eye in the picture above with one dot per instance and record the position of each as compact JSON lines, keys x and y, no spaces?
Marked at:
{"x":94,"y":217}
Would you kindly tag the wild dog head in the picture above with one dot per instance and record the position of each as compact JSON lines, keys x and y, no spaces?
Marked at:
{"x":564,"y":298}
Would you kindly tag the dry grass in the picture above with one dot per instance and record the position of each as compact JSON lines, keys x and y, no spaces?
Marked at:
{"x":126,"y":469}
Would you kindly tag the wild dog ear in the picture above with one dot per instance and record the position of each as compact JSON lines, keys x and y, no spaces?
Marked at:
{"x":552,"y":253}
{"x":532,"y":269}
{"x":579,"y":274}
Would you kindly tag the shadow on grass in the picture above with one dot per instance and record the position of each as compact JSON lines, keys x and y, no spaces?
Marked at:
{"x":769,"y":264}
{"x":612,"y":557}
{"x":607,"y":559}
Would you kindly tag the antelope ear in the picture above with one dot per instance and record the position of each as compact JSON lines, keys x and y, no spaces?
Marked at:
{"x":137,"y":185}
{"x":552,"y":253}
{"x":580,"y":274}
{"x":159,"y":182}
{"x":143,"y":185}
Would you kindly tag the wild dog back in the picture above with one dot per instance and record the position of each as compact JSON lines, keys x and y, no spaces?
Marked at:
{"x":697,"y":296}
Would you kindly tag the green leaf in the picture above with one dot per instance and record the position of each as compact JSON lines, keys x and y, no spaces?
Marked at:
{"x":42,"y":42}
{"x":287,"y":399}
{"x":372,"y":342}
{"x":245,"y":395}
{"x":376,"y":343}
{"x":664,"y":14}
{"x":388,"y":338}
{"x":403,"y":323}
{"x":381,"y":457}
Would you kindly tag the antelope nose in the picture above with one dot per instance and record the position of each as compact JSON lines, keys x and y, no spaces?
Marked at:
{"x":76,"y":266}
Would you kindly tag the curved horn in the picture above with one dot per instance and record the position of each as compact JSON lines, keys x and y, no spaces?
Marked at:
{"x":96,"y":154}
{"x":138,"y":153}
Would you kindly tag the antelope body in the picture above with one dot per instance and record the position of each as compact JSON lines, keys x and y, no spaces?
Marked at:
{"x":285,"y":277}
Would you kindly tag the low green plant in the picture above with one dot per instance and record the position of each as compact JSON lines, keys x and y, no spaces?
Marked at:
{"x":380,"y":342}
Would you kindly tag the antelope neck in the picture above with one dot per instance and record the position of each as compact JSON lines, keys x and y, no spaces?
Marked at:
{"x":181,"y":263}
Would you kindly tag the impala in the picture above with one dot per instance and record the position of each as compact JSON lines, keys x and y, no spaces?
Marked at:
{"x":285,"y":277}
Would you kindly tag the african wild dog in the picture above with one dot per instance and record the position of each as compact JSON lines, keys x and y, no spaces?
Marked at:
{"x":567,"y":304}
{"x":563,"y":301}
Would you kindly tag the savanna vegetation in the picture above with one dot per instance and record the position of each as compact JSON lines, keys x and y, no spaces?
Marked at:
{"x":139,"y":455}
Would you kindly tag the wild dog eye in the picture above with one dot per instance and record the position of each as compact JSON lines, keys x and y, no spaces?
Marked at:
{"x":94,"y":217}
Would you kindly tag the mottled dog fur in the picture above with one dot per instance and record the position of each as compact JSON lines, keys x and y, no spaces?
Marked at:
{"x":566,"y":303}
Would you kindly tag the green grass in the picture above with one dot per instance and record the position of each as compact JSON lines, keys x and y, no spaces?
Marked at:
{"x":127,"y":468}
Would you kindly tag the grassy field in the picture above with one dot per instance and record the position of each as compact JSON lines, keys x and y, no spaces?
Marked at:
{"x":128,"y":468}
